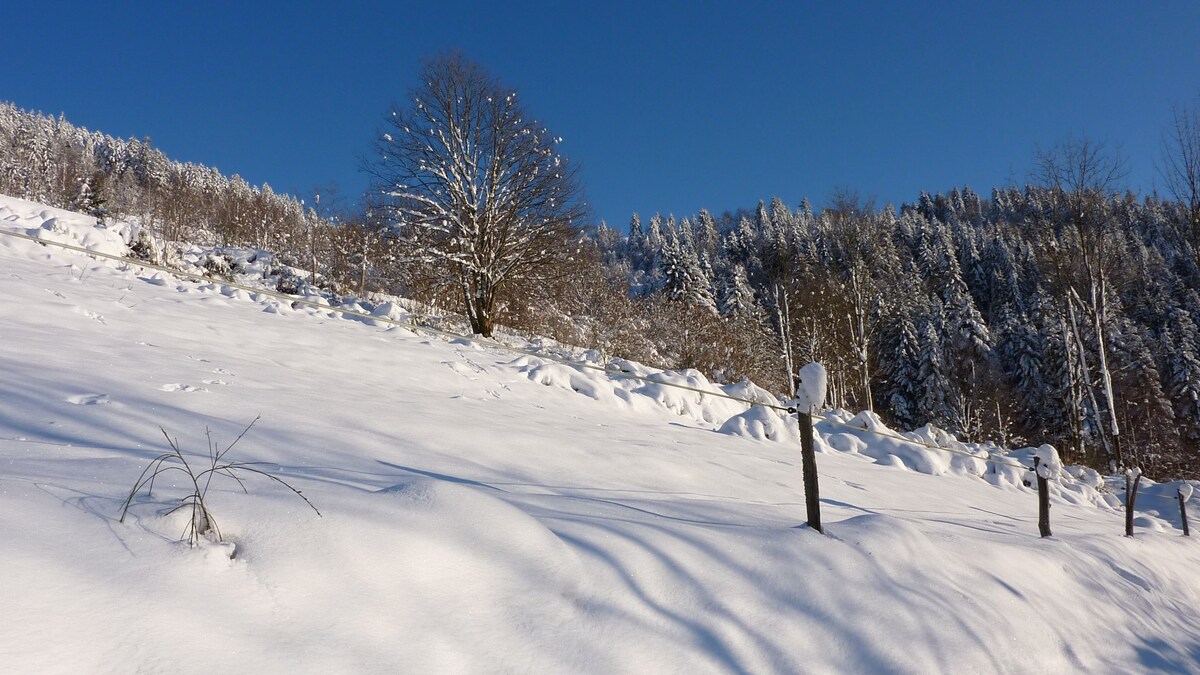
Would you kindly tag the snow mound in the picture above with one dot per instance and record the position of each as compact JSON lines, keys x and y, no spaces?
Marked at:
{"x":391,"y":311}
{"x":877,"y":534}
{"x":877,"y":441}
{"x":686,"y":393}
{"x":1073,"y":485}
{"x":449,"y":523}
{"x":59,"y":226}
{"x":762,"y":424}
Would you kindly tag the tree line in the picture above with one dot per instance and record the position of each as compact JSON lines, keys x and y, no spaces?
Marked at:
{"x":1002,"y":318}
{"x":1064,"y":311}
{"x":50,"y":160}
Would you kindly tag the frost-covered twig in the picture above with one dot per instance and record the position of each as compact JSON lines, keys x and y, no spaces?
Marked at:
{"x":201,"y":524}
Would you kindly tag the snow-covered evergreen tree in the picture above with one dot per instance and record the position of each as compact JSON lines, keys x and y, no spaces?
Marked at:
{"x":937,"y":389}
{"x":683,"y":278}
{"x":736,"y":296}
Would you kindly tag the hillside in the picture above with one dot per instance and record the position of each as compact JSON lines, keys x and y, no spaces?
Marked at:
{"x":486,"y":511}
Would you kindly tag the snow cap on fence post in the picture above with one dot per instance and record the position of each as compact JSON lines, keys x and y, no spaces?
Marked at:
{"x":1185,"y":492}
{"x":811,"y":383}
{"x":1049,"y":463}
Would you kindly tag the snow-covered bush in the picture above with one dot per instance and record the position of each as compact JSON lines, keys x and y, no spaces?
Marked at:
{"x":143,"y":247}
{"x":287,"y":281}
{"x":219,"y":265}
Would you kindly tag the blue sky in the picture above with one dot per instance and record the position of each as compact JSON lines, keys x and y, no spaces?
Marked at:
{"x":668,"y":107}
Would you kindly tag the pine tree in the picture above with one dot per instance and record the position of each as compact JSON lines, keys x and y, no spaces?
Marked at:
{"x":937,"y":386}
{"x":781,"y":217}
{"x":1146,"y":414}
{"x":706,"y":237}
{"x":1022,"y":351}
{"x":1182,"y":373}
{"x":762,"y":222}
{"x":683,"y":280}
{"x":735,"y":296}
{"x":742,"y":247}
{"x":636,"y":243}
{"x":90,"y":198}
{"x":899,"y":364}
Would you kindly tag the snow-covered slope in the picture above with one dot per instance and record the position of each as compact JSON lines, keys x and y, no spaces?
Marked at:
{"x":477,"y":520}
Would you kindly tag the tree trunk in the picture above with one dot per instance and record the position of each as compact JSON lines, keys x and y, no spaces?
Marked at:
{"x":479,"y":307}
{"x":362,"y":268}
{"x":1099,"y":308}
{"x":782,"y":321}
{"x":1073,"y":386}
{"x":1110,"y":457}
{"x":858,"y":328}
{"x":483,"y":325}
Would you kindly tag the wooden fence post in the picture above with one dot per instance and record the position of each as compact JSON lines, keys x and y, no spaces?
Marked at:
{"x":1183,"y":512}
{"x":808,"y":455}
{"x":1043,"y":487}
{"x":1131,"y":488}
{"x":811,"y":385}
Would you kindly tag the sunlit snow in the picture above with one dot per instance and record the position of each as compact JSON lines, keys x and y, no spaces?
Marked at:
{"x":491,"y":512}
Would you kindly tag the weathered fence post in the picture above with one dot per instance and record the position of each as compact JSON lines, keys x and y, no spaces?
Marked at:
{"x":1047,"y":465}
{"x":811,"y":384}
{"x":1043,"y":487}
{"x":1184,"y":493}
{"x":1133,"y":477}
{"x":808,"y":456}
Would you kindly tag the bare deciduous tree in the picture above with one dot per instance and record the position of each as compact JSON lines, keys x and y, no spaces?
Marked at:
{"x":476,"y":189}
{"x":851,"y":227}
{"x":1180,"y":166}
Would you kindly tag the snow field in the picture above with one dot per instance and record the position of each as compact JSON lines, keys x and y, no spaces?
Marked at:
{"x":482,"y":516}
